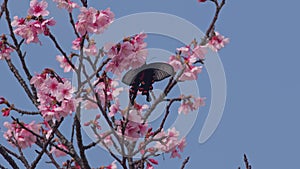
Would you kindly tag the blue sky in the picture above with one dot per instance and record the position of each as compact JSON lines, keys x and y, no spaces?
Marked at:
{"x":261,"y":116}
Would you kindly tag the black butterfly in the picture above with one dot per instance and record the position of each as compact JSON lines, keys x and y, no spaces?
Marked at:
{"x":142,"y":78}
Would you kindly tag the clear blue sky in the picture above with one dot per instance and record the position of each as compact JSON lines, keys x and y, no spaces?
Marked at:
{"x":261,"y":116}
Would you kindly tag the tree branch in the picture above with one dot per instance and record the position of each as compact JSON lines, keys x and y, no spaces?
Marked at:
{"x":7,"y":157}
{"x":185,"y":162}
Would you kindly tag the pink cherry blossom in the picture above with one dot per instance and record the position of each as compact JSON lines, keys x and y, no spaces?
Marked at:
{"x":57,"y":152}
{"x":5,"y":112}
{"x":66,"y":4}
{"x":64,"y":63}
{"x":182,"y":144}
{"x":114,"y":108}
{"x":64,"y":91}
{"x":153,"y":161}
{"x":175,"y":154}
{"x":18,"y":21}
{"x":218,"y":42}
{"x":191,"y":73}
{"x":55,"y":97}
{"x":188,"y":105}
{"x":76,"y":44}
{"x":5,"y":51}
{"x":91,"y":50}
{"x":170,"y":142}
{"x":112,"y":165}
{"x":175,"y":62}
{"x":130,"y":53}
{"x":198,"y":102}
{"x":185,"y":107}
{"x":38,"y":8}
{"x":149,"y":166}
{"x":20,"y":136}
{"x":93,"y":21}
{"x":29,"y":32}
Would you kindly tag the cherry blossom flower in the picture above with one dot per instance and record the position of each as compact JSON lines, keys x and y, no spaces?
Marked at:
{"x":5,"y":112}
{"x":76,"y":44}
{"x":112,"y":91}
{"x":64,"y":63}
{"x":153,"y":161}
{"x":94,"y":123}
{"x":66,"y":4}
{"x":57,"y":152}
{"x":187,"y":56}
{"x":91,"y":50}
{"x":188,"y":105}
{"x":191,"y":73}
{"x":20,"y":136}
{"x":201,"y":0}
{"x":93,"y":21}
{"x":217,"y":42}
{"x":112,"y":165}
{"x":170,"y":142}
{"x":185,"y":107}
{"x":130,"y":53}
{"x":38,"y":8}
{"x":149,"y":166}
{"x":64,"y":91}
{"x":18,"y":21}
{"x":55,"y":97}
{"x":114,"y":108}
{"x":30,"y":29}
{"x":5,"y":51}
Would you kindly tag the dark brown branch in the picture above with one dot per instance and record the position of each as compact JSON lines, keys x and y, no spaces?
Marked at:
{"x":2,"y":9}
{"x":7,"y":157}
{"x":19,"y":52}
{"x":212,"y":24}
{"x":16,"y":73}
{"x":166,"y":115}
{"x":22,"y":112}
{"x":44,"y":149}
{"x":84,"y":3}
{"x":185,"y":162}
{"x":61,"y":50}
{"x":79,"y":139}
{"x":248,"y":166}
{"x":73,"y":24}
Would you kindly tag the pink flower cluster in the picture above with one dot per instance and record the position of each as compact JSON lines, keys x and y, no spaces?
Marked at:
{"x":112,"y":91}
{"x":5,"y":51}
{"x":218,"y":42}
{"x":55,"y":96}
{"x":16,"y":134}
{"x":57,"y":152}
{"x":130,"y":53}
{"x":188,"y":105}
{"x":34,"y":24}
{"x":64,"y":63}
{"x":66,"y":4}
{"x":188,"y":55}
{"x":170,"y":143}
{"x":135,"y":128}
{"x":91,"y":20}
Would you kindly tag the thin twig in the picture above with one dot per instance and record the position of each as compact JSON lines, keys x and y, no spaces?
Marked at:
{"x":38,"y":158}
{"x":185,"y":162}
{"x":212,"y":24}
{"x":33,"y":97}
{"x":61,"y":51}
{"x":7,"y":157}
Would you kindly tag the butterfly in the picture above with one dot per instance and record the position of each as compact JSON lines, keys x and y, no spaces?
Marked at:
{"x":142,"y":78}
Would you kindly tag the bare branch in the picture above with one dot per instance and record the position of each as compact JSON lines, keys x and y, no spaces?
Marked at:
{"x":7,"y":157}
{"x":212,"y":24}
{"x":185,"y":162}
